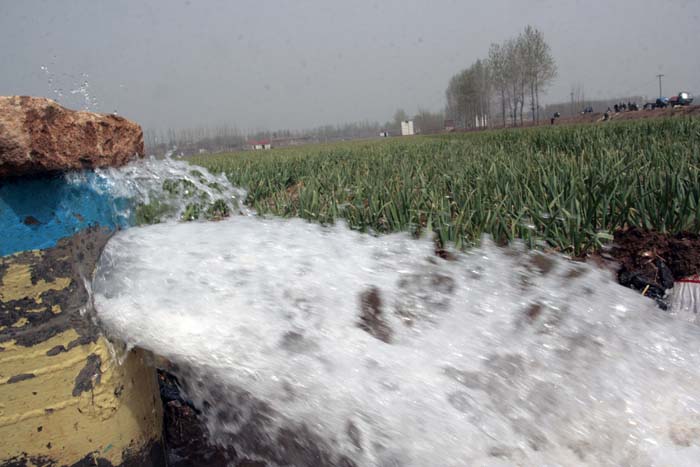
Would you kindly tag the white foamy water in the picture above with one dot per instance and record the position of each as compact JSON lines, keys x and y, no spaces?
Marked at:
{"x":306,"y":345}
{"x":172,"y":189}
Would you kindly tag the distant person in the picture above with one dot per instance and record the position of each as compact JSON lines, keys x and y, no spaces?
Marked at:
{"x":617,"y":108}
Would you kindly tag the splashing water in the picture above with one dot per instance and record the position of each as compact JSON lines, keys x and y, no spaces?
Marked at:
{"x":154,"y":190}
{"x":57,"y":92}
{"x":84,"y":99}
{"x":83,"y":90}
{"x":310,"y":345}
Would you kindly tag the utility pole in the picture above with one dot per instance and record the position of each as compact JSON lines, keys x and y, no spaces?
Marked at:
{"x":660,"y":93}
{"x":572,"y":103}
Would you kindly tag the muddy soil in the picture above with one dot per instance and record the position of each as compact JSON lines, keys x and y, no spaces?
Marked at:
{"x":650,"y":261}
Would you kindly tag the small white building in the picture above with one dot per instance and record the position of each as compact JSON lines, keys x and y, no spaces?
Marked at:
{"x":260,"y":145}
{"x":407,"y":128}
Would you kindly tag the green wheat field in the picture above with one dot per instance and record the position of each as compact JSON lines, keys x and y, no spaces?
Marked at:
{"x":564,"y":188}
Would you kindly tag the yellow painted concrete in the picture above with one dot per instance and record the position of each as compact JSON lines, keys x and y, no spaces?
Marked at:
{"x":20,"y":322}
{"x":40,"y":416}
{"x":17,"y":284}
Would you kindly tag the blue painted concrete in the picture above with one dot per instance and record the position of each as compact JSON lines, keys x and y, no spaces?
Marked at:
{"x":37,"y":212}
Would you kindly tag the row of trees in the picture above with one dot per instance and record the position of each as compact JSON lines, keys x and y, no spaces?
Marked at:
{"x":424,"y":121}
{"x":363,"y":129}
{"x":513,"y":77}
{"x":192,"y":140}
{"x":225,"y":138}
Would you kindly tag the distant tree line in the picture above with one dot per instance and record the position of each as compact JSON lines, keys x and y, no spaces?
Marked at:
{"x":225,"y":139}
{"x":193,"y":140}
{"x":363,"y":129}
{"x":505,"y":84}
{"x":424,"y":121}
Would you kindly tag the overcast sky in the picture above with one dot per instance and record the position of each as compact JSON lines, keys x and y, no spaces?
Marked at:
{"x":258,"y":64}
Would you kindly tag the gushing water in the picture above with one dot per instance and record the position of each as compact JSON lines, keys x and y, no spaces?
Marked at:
{"x":153,"y":190}
{"x":310,"y":345}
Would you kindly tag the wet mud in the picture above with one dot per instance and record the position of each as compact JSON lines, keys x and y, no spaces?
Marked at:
{"x":651,"y":262}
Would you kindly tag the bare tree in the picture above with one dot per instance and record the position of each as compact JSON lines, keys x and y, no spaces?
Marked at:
{"x":514,"y":77}
{"x":428,"y":122}
{"x":482,"y":79}
{"x":540,"y":67}
{"x":521,"y":66}
{"x":399,"y":116}
{"x":497,"y":65}
{"x":469,"y":95}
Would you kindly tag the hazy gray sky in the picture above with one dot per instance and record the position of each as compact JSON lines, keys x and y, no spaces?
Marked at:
{"x":293,"y":64}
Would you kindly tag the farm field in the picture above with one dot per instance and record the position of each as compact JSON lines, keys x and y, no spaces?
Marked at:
{"x":562,"y":188}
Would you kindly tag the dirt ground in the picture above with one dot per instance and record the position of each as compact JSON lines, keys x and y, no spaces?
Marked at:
{"x":692,"y":110}
{"x":650,"y":262}
{"x":595,"y":117}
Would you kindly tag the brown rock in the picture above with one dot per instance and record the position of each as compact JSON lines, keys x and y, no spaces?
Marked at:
{"x":37,"y":135}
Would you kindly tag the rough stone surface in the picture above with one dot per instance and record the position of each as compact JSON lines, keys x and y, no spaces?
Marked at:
{"x":37,"y":136}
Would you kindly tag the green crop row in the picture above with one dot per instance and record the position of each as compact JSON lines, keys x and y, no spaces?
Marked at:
{"x":564,"y":188}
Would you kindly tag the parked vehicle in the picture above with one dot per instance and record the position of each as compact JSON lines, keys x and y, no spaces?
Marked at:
{"x":661,"y":103}
{"x":682,"y":98}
